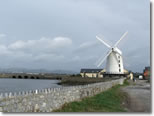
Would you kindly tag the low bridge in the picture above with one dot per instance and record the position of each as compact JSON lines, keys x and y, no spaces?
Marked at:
{"x":22,"y":76}
{"x":30,"y":76}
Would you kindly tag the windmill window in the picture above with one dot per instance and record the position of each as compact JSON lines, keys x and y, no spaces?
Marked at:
{"x":119,"y":57}
{"x":119,"y":61}
{"x":119,"y":65}
{"x":119,"y":70}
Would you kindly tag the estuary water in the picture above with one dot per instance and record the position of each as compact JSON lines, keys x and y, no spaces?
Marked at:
{"x":16,"y":85}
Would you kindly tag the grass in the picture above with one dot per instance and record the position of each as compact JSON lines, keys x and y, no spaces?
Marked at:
{"x":108,"y":101}
{"x":82,"y":81}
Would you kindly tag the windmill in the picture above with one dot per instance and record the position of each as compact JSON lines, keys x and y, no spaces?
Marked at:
{"x":114,"y":60}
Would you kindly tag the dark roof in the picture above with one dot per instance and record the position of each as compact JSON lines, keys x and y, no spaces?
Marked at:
{"x":90,"y":70}
{"x":147,"y":68}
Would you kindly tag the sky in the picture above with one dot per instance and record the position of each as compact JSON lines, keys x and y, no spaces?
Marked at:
{"x":61,"y":34}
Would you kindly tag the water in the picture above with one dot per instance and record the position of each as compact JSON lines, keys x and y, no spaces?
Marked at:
{"x":16,"y":85}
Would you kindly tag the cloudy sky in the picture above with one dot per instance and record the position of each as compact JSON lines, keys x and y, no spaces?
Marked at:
{"x":61,"y":34}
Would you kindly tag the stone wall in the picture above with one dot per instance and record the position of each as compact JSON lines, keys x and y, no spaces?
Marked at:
{"x":47,"y":100}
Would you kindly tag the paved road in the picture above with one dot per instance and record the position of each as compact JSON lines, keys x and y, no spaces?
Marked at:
{"x":139,"y":94}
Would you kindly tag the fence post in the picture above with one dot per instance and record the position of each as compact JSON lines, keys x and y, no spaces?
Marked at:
{"x":36,"y":91}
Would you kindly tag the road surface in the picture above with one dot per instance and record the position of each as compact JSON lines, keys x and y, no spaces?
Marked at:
{"x":139,"y":96}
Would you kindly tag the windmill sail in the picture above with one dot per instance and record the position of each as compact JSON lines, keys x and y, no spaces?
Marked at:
{"x":114,"y":61}
{"x":101,"y":62}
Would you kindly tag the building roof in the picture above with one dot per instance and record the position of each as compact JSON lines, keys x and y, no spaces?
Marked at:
{"x":148,"y":67}
{"x":90,"y":70}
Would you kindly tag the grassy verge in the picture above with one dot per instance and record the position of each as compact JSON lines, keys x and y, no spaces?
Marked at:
{"x":108,"y":101}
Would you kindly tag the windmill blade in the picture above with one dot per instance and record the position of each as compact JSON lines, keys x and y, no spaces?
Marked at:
{"x":104,"y":58}
{"x":103,"y":42}
{"x":96,"y":63}
{"x":120,"y":39}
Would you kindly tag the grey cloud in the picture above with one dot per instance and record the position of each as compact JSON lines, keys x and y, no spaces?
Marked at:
{"x":41,"y":45}
{"x":25,"y":22}
{"x":2,"y":35}
{"x":86,"y":45}
{"x":44,"y":49}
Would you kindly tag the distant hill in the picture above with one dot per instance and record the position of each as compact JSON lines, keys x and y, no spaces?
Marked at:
{"x":24,"y":70}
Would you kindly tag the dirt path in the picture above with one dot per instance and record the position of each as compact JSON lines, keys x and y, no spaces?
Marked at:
{"x":139,"y":94}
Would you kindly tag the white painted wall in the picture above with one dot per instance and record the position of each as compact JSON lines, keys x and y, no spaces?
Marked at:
{"x":112,"y":64}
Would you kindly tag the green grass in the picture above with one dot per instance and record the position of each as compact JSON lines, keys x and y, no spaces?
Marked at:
{"x":108,"y":101}
{"x":82,"y":81}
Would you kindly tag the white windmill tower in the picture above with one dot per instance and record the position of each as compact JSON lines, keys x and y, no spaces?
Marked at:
{"x":114,"y":60}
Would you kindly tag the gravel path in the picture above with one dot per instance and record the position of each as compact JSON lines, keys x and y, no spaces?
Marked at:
{"x":139,"y":94}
